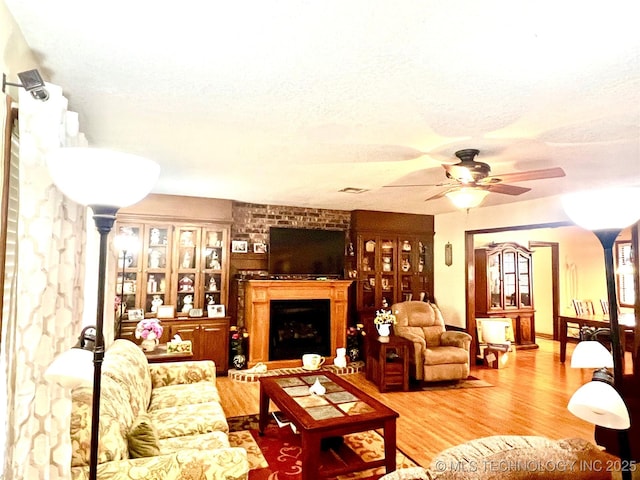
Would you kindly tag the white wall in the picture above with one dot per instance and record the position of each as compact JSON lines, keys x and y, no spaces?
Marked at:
{"x":581,"y":255}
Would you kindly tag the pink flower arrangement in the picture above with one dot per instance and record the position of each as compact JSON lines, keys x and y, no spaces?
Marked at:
{"x":148,"y":328}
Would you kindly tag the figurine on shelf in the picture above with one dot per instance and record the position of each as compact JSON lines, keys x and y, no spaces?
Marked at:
{"x":155,"y":303}
{"x":213,"y":286}
{"x":155,"y":237}
{"x":213,"y":240}
{"x":185,"y":284}
{"x":214,"y":262}
{"x":187,"y":303}
{"x":154,"y":258}
{"x":186,"y":260}
{"x":406,"y":266}
{"x":186,"y":238}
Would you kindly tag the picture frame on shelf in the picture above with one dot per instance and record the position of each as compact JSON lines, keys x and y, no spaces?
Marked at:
{"x":195,"y":312}
{"x":239,"y":246}
{"x":166,"y":311}
{"x":260,"y":247}
{"x":215,"y":311}
{"x":135,"y":314}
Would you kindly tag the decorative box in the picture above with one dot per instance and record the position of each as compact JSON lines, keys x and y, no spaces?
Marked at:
{"x":183,"y":346}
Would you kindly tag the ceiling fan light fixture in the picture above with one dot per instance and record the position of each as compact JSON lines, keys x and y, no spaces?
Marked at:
{"x":465,"y":198}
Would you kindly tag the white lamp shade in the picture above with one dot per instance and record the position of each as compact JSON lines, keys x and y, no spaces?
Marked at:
{"x":599,"y":403}
{"x":467,"y":197}
{"x":93,"y":176}
{"x":71,"y":368}
{"x":603,"y":209}
{"x":591,"y":354}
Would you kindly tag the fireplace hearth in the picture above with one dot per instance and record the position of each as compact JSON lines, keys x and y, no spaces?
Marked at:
{"x":298,"y":327}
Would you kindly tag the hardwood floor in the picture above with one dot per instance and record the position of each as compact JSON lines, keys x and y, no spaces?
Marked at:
{"x":529,"y":397}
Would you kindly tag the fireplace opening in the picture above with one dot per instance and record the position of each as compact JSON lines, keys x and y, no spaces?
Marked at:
{"x":297,"y":327}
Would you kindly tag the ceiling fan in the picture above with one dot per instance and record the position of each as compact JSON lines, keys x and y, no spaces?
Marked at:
{"x":472,"y":177}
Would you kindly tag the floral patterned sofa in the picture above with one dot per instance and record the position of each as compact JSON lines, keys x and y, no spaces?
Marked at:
{"x":516,"y":457}
{"x":157,"y":421}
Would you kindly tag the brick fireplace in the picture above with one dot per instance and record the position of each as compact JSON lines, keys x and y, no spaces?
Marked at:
{"x":258,"y":297}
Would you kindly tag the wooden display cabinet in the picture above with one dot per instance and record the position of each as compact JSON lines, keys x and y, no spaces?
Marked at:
{"x":393,"y":260}
{"x":172,"y":264}
{"x":504,"y":288}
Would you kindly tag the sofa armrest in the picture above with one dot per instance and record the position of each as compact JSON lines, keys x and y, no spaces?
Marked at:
{"x":178,"y":373}
{"x":209,"y":465}
{"x":458,"y":339}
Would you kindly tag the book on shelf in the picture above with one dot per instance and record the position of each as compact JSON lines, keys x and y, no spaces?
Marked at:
{"x":282,"y":420}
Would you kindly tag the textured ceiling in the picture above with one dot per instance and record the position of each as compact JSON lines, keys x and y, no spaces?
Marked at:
{"x":287,"y":102}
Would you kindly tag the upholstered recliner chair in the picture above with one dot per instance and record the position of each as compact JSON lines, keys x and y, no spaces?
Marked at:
{"x":438,"y":354}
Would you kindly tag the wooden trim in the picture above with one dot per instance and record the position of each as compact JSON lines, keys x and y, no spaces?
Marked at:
{"x":12,"y":116}
{"x":635,"y":245}
{"x":470,"y":291}
{"x":555,"y":281}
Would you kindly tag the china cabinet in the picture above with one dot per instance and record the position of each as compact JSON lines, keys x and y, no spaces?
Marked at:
{"x":504,"y":288}
{"x":392,"y":261}
{"x":174,"y":251}
{"x":172,"y":264}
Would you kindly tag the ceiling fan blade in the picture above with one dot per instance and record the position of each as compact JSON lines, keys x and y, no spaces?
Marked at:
{"x":528,"y":175}
{"x":438,"y":195}
{"x":441,"y":184}
{"x":506,"y":189}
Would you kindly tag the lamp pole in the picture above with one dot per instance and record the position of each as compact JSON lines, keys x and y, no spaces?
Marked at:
{"x":104,"y":218}
{"x":123,"y":302}
{"x":607,"y":238}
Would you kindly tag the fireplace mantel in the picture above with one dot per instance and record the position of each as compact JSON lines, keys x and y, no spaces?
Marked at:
{"x":258,"y":295}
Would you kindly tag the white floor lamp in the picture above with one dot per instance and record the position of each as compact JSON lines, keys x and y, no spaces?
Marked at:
{"x":93,"y":177}
{"x":606,"y":213}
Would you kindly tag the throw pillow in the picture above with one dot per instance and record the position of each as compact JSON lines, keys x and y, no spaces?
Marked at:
{"x":143,"y":438}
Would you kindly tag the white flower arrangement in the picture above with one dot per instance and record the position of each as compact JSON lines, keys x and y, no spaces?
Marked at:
{"x":384,"y":317}
{"x":149,"y":328}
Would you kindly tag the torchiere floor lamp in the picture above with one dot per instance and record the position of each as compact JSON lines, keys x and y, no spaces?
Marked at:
{"x":606,"y":213}
{"x":93,"y":177}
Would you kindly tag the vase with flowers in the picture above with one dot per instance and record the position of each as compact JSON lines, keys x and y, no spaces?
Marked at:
{"x":149,"y":330}
{"x":383,"y":321}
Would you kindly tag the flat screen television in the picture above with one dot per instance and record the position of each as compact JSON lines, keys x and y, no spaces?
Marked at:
{"x":301,"y":252}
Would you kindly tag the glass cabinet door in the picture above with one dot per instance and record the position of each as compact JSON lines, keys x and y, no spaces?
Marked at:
{"x":509,"y":266}
{"x":524,"y":280}
{"x":367,"y":247}
{"x":157,"y":267}
{"x":408,"y":263}
{"x":186,"y":289}
{"x":495,"y":279}
{"x":386,"y":290}
{"x":213,"y":258}
{"x":128,"y":242}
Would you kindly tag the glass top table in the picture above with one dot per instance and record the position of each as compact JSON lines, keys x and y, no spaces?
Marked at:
{"x":341,"y":410}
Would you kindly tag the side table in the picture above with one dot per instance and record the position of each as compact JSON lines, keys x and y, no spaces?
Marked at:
{"x":388,"y":362}
{"x":160,"y":354}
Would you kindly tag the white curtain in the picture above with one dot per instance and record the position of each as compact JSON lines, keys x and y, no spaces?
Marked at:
{"x":47,"y":317}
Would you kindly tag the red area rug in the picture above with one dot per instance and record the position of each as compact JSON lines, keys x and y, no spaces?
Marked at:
{"x":277,"y":455}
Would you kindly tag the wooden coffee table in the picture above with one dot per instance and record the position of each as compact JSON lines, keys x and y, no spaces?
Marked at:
{"x":343,"y":409}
